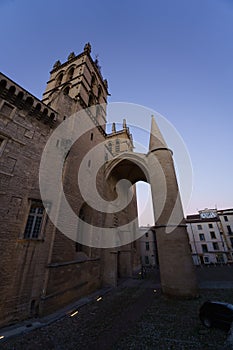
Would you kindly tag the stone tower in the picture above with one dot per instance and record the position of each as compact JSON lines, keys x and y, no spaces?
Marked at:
{"x":177,"y":273}
{"x":77,"y":84}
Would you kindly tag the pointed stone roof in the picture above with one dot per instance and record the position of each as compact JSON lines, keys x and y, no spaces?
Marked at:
{"x":156,"y":138}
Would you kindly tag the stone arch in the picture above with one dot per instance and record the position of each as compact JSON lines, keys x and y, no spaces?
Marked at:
{"x":66,"y":90}
{"x":178,"y":277}
{"x":93,"y":79}
{"x":70,"y":73}
{"x":128,"y":166}
{"x":59,"y":78}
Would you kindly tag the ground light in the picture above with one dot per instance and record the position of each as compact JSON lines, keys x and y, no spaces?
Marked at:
{"x":74,"y":313}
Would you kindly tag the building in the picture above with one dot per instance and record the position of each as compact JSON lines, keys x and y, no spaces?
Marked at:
{"x":211,"y":236}
{"x":148,"y":247}
{"x":41,"y":269}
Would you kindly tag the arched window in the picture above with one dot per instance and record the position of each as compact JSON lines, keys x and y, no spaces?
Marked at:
{"x":59,"y":79}
{"x":117,"y":146}
{"x":110,"y":146}
{"x":91,"y":100}
{"x":93,"y":80}
{"x":66,"y":90}
{"x":71,"y":73}
{"x":99,"y":91}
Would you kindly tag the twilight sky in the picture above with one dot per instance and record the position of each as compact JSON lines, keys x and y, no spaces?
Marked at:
{"x":172,"y":56}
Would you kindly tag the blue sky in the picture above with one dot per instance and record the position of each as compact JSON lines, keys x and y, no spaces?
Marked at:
{"x":172,"y":56}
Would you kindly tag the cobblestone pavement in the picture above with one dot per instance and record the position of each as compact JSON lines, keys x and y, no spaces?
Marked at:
{"x":133,"y":316}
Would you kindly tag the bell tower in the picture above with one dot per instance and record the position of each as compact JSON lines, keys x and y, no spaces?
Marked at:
{"x":77,"y":84}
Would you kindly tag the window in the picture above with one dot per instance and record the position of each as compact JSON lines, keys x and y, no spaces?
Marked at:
{"x":199,"y":227}
{"x":110,"y":146}
{"x":71,"y":73}
{"x":215,"y":246}
{"x":225,"y":218}
{"x":117,"y":146}
{"x":34,"y":221}
{"x":92,"y":136}
{"x":93,"y":80}
{"x":66,"y":90}
{"x":212,"y":235}
{"x":229,"y":229}
{"x":91,"y":101}
{"x":59,"y":79}
{"x":99,"y":91}
{"x":206,"y":260}
{"x":204,"y":248}
{"x":210,"y":225}
{"x":146,"y":260}
{"x":147,"y":246}
{"x":231,"y":239}
{"x":202,"y":237}
{"x":146,"y":234}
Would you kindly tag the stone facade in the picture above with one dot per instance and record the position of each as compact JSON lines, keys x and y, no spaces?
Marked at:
{"x":41,"y":269}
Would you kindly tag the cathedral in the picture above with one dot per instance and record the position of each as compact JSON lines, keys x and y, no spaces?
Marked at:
{"x":48,"y":258}
{"x":43,"y":270}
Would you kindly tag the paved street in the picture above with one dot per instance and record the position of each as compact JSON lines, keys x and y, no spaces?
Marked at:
{"x":132,"y":316}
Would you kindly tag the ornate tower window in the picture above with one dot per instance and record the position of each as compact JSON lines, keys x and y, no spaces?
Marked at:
{"x":59,"y":79}
{"x":66,"y":90}
{"x":70,"y":73}
{"x":91,"y":100}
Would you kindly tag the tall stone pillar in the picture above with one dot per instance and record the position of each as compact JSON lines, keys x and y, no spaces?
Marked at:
{"x":178,"y":277}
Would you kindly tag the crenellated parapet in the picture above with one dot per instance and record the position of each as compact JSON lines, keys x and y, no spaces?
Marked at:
{"x":22,"y":99}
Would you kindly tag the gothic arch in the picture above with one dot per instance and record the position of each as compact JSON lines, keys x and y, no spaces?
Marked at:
{"x":128,"y":166}
{"x":178,"y":276}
